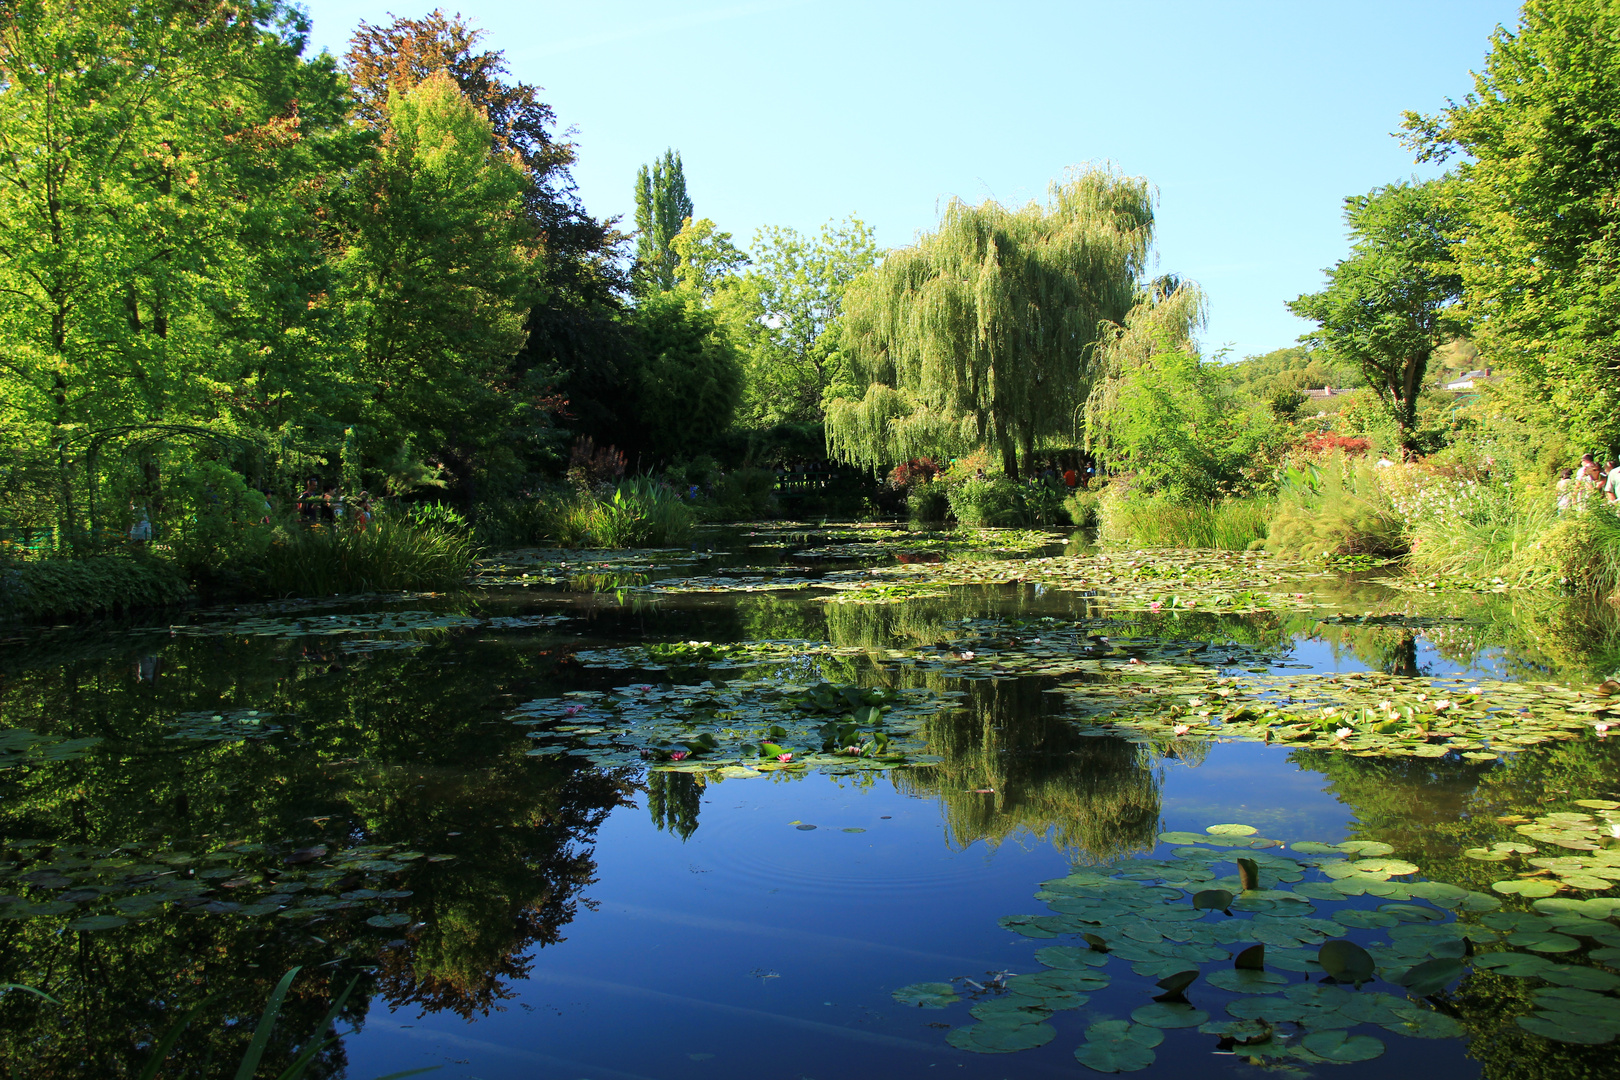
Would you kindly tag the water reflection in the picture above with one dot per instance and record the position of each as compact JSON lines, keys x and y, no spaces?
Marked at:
{"x":1011,"y":768}
{"x":405,"y":749}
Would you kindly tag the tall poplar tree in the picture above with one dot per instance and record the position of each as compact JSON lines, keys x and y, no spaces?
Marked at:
{"x":981,"y":333}
{"x":662,"y":208}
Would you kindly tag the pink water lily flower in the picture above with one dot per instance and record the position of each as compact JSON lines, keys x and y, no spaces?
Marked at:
{"x":784,"y":758}
{"x":573,"y":710}
{"x":1602,"y":730}
{"x":1182,"y":729}
{"x":1134,"y":660}
{"x":677,"y":755}
{"x":1156,"y":606}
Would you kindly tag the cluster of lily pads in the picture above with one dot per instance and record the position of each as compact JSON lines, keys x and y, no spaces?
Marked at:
{"x":541,"y":567}
{"x":1003,"y":648}
{"x":104,"y":888}
{"x":21,"y":748}
{"x":225,"y":725}
{"x":1264,"y":932}
{"x":1170,"y":580}
{"x":660,"y":656}
{"x":742,"y":728}
{"x":1368,"y":714}
{"x":360,"y":632}
{"x":1590,"y":865}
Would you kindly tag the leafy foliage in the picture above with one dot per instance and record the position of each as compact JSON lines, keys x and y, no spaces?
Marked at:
{"x":980,"y":334}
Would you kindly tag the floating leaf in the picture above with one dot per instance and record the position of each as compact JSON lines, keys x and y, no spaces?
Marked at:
{"x":1346,"y":961}
{"x":1000,"y":1039}
{"x":1232,"y":830}
{"x":928,"y":995}
{"x":1432,"y":976}
{"x":1169,"y":1014}
{"x":1340,"y":1046}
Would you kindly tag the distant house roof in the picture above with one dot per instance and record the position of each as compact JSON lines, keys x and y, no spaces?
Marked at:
{"x":1469,"y":381}
{"x":1326,"y":392}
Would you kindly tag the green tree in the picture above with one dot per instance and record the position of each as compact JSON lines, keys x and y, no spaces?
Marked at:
{"x":706,"y":260}
{"x":1541,"y":184}
{"x":785,"y":314}
{"x":436,"y":277}
{"x":980,"y":333}
{"x":160,"y":187}
{"x":689,"y":379}
{"x":662,"y":208}
{"x":1393,"y":302}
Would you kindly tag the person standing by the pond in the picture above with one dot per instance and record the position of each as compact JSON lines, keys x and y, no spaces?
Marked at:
{"x":1611,"y":481}
{"x":309,"y":501}
{"x":1566,"y":490}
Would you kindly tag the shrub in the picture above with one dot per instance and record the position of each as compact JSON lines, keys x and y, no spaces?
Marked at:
{"x":1043,"y":502}
{"x":917,"y":471}
{"x":746,"y":494}
{"x":992,"y":500}
{"x":928,"y":502}
{"x":99,"y":585}
{"x":1228,"y":524}
{"x":1082,"y":508}
{"x":387,"y":556}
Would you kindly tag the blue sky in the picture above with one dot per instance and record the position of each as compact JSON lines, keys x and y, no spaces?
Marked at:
{"x":1253,"y":119}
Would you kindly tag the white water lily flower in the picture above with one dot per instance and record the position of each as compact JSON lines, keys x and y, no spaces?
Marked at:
{"x":1343,"y":733}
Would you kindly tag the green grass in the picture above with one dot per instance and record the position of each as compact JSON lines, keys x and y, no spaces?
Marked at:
{"x":1337,"y":509}
{"x":1228,"y":524}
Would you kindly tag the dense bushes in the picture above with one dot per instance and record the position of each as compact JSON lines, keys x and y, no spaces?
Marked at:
{"x":101,"y":585}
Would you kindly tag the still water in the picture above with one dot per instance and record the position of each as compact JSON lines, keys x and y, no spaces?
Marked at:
{"x":342,"y":788}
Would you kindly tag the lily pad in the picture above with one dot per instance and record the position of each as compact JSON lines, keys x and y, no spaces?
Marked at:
{"x":1341,"y":1046}
{"x":928,"y":995}
{"x":1169,"y":1014}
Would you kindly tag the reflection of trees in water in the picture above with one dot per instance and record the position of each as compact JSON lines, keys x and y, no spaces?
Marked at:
{"x":1096,"y":796}
{"x":1532,"y":635}
{"x":673,"y":800}
{"x":1431,"y":810}
{"x":394,"y":748}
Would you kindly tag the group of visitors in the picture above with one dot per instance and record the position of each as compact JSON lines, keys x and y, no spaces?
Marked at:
{"x":325,"y":505}
{"x":1576,"y":487}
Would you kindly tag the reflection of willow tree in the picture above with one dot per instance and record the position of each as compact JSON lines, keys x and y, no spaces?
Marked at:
{"x":394,"y":748}
{"x":1096,"y":796}
{"x":1433,"y":810}
{"x":673,"y":800}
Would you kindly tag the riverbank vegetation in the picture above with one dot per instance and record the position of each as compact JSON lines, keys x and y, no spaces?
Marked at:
{"x":264,"y":269}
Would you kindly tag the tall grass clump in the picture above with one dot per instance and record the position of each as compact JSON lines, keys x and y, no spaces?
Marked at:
{"x":384,"y":557}
{"x":1336,"y":508}
{"x":639,"y":513}
{"x":1227,"y":524}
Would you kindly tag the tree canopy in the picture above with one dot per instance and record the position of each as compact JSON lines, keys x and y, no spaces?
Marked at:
{"x":981,"y":332}
{"x":662,"y":209}
{"x":1393,"y":302}
{"x":1540,"y":183}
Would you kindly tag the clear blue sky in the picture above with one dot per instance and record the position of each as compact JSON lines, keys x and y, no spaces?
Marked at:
{"x":1254,"y":119}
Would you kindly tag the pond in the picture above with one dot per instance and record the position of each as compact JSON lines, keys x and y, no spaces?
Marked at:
{"x":814,"y":802}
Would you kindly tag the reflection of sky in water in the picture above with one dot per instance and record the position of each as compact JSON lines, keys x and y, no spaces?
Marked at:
{"x":1323,"y":654}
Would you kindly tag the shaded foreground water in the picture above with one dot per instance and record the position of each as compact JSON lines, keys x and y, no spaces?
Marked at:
{"x":537,"y":873}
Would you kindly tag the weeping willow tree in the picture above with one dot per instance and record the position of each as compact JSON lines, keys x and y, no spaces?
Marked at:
{"x":980,"y":334}
{"x":1149,"y":389}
